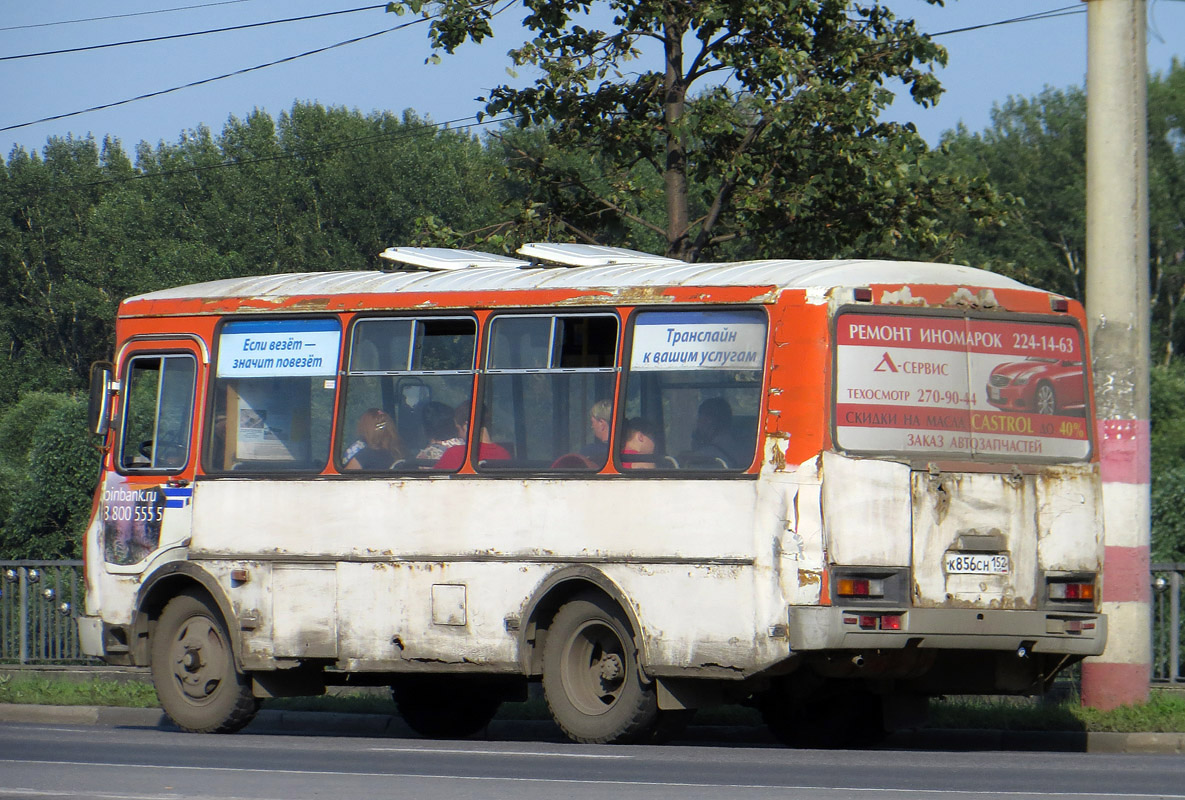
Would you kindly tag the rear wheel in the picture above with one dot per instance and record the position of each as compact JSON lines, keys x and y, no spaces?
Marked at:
{"x":827,"y":718}
{"x":445,"y":708}
{"x":591,"y":678}
{"x":194,"y":671}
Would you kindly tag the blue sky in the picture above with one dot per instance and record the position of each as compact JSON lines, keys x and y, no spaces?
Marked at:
{"x":387,"y":72}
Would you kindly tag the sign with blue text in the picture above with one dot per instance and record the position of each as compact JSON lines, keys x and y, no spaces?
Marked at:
{"x":698,"y":340}
{"x":278,"y":348}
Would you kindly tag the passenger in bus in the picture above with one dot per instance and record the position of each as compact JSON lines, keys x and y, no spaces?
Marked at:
{"x":640,"y":444}
{"x":382,"y":448}
{"x":488,"y":449}
{"x":712,"y":442}
{"x":599,"y":416}
{"x":442,"y":431}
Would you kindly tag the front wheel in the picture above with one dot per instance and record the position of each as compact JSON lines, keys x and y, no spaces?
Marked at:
{"x":591,"y":678}
{"x":194,"y":671}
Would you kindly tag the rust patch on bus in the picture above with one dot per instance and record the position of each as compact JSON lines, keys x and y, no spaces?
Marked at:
{"x":810,"y":577}
{"x":777,"y":457}
{"x":311,"y":304}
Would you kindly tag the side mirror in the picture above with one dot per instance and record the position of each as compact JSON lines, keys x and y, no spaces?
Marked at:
{"x":98,"y":415}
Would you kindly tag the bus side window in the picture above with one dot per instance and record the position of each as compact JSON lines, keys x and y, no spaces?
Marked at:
{"x":273,"y":395}
{"x":418,"y":373}
{"x":549,"y":391}
{"x":693,"y":387}
{"x":158,"y":409}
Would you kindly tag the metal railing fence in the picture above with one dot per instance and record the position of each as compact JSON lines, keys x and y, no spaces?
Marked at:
{"x":1167,"y":580}
{"x":38,"y":602}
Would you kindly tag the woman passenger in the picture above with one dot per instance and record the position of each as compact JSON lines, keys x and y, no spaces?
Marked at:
{"x":381,"y":448}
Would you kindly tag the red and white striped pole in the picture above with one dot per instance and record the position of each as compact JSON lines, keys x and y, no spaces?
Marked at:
{"x":1117,"y":303}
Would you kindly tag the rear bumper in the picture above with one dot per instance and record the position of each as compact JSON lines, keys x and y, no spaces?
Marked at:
{"x":1041,"y":631}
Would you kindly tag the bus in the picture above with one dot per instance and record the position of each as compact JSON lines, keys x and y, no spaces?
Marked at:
{"x":638,"y":486}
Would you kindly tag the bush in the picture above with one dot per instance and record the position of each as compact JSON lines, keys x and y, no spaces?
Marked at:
{"x":48,"y":469}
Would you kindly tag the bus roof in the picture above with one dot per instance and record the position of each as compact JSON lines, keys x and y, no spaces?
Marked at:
{"x":775,"y":273}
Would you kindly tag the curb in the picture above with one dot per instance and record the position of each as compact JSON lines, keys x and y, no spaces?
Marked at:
{"x":335,"y":723}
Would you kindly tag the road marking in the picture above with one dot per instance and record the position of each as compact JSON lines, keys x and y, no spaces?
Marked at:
{"x":451,"y":751}
{"x":74,"y":795}
{"x":588,"y":782}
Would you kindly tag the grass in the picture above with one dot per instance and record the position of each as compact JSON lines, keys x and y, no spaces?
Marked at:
{"x":1164,"y":712}
{"x":89,"y":692}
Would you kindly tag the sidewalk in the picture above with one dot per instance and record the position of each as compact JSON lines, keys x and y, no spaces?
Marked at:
{"x":339,"y":724}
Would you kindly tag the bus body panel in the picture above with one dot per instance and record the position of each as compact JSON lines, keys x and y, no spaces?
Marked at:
{"x":396,"y":574}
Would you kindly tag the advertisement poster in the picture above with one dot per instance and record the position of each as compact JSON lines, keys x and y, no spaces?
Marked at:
{"x":133,"y":516}
{"x":960,"y":387}
{"x":279,"y":348}
{"x":709,"y":340}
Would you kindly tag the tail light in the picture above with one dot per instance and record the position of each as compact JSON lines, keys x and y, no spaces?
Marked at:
{"x":860,"y":587}
{"x":873,"y":622}
{"x":1071,"y":590}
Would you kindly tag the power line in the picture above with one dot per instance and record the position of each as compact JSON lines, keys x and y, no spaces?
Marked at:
{"x":243,"y":71}
{"x":170,"y":36}
{"x":120,"y":16}
{"x":1065,"y":11}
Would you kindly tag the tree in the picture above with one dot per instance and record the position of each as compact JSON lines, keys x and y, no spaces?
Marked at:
{"x":759,"y":118}
{"x":1168,"y":462}
{"x":1166,"y":205}
{"x":1034,"y":153}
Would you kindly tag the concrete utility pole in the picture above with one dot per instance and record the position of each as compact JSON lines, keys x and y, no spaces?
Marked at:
{"x":1117,"y":302}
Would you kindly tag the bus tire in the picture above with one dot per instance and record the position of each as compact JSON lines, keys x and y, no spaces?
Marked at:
{"x":193,"y":669}
{"x":591,"y":678}
{"x":443,"y":707}
{"x":828,"y":719}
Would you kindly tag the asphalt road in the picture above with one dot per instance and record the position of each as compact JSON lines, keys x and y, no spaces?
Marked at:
{"x":136,"y":763}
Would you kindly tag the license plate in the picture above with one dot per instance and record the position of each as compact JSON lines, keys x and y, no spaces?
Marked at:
{"x":993,"y":392}
{"x":977,"y":564}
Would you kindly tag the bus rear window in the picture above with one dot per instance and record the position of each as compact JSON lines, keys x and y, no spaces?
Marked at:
{"x":273,"y":395}
{"x":960,"y":386}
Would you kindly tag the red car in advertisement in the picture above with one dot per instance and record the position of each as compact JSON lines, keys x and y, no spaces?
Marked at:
{"x":1038,"y":385}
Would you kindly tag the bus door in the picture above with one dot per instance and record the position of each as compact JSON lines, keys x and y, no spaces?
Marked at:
{"x":146,"y":503}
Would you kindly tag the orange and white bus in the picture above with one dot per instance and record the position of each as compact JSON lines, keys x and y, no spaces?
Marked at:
{"x":830,"y":488}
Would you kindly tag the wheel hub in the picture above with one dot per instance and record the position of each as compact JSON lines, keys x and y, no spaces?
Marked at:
{"x":611,"y":667}
{"x":191,"y":661}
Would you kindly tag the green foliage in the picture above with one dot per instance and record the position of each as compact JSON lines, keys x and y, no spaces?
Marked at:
{"x":755,"y":132}
{"x":1034,"y":154}
{"x":1167,"y":401}
{"x":82,"y":227}
{"x":49,"y":467}
{"x":1166,"y":207}
{"x":1164,"y":712}
{"x":90,"y":692}
{"x":320,"y":189}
